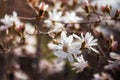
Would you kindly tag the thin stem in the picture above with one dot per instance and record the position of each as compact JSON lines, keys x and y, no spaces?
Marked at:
{"x":40,"y":32}
{"x":25,"y":18}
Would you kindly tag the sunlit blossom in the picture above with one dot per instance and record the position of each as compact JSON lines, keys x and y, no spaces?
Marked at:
{"x":70,"y":17}
{"x":87,"y":41}
{"x":54,"y":15}
{"x":66,"y":48}
{"x":80,"y":64}
{"x":10,"y":20}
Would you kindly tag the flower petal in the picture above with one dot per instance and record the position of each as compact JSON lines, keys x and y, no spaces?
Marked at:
{"x":60,"y":54}
{"x":94,"y":50}
{"x":70,"y":58}
{"x":63,"y":36}
{"x":59,"y":60}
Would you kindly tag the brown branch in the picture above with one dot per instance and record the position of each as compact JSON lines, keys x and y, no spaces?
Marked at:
{"x":25,"y":18}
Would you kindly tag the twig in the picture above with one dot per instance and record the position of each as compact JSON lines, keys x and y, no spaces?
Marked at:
{"x":87,"y":22}
{"x":25,"y":18}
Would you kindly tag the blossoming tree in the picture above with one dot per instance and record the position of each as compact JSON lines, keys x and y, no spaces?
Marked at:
{"x":81,"y":35}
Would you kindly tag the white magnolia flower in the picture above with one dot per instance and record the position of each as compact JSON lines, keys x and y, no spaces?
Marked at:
{"x":87,"y":41}
{"x":80,"y":64}
{"x":70,"y":17}
{"x":9,"y":21}
{"x":103,"y":76}
{"x":54,"y":15}
{"x":66,"y":48}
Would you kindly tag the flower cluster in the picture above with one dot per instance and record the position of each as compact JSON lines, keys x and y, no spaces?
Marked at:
{"x":72,"y":46}
{"x":10,"y":21}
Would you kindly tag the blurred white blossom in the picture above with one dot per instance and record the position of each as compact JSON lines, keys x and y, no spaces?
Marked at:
{"x":51,"y":67}
{"x":29,"y":28}
{"x":70,"y":17}
{"x":56,"y":28}
{"x":80,"y":64}
{"x":10,"y":20}
{"x":20,"y":75}
{"x":54,"y":15}
{"x":102,"y":76}
{"x":29,"y":48}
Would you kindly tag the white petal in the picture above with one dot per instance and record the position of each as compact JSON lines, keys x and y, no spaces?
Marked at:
{"x":63,"y":35}
{"x":75,"y":45}
{"x":59,"y":14}
{"x":69,"y":39}
{"x":60,"y":54}
{"x":94,"y":50}
{"x":82,"y":35}
{"x":53,"y":46}
{"x":70,"y":58}
{"x":76,"y":36}
{"x":14,"y":14}
{"x":59,"y":60}
{"x":77,"y":65}
{"x":90,"y":39}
